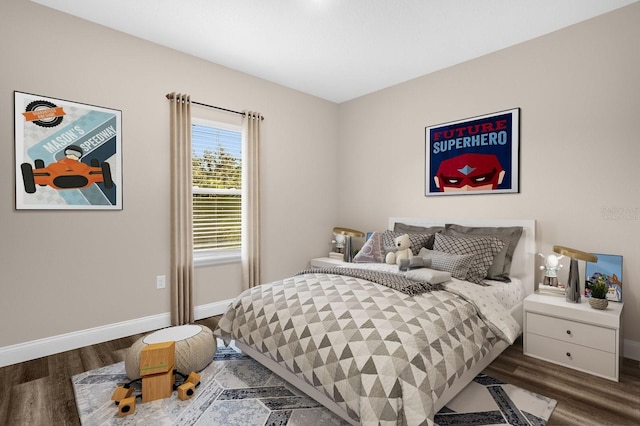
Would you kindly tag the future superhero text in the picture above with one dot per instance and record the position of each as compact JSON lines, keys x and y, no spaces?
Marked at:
{"x":468,"y":136}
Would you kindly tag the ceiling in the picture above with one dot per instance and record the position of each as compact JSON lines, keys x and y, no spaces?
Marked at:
{"x":336,"y":49}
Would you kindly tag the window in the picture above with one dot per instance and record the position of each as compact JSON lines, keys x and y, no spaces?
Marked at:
{"x":217,"y":191}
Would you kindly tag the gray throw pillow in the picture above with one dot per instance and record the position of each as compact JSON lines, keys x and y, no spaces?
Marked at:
{"x":457,"y":265}
{"x":372,"y":251}
{"x":415,"y":229}
{"x":501,"y":266}
{"x":417,"y":241}
{"x":484,"y":249}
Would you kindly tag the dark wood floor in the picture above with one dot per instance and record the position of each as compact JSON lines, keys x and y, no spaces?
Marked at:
{"x":582,"y":399}
{"x":39,"y":392}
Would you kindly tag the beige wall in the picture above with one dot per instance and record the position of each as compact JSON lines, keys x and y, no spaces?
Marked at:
{"x":579,"y":94}
{"x":577,"y":89}
{"x":65,"y":271}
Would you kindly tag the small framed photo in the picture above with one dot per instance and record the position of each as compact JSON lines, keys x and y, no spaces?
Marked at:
{"x":609,"y":265}
{"x":68,"y":155}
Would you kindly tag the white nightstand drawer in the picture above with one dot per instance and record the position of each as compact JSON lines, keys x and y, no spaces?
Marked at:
{"x":554,"y":327}
{"x":577,"y":333}
{"x":571,"y":355}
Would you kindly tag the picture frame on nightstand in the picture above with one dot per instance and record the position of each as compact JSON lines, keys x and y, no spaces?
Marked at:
{"x":609,"y":265}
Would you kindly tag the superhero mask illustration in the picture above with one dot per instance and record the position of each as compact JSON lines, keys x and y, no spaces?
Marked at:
{"x":469,"y":172}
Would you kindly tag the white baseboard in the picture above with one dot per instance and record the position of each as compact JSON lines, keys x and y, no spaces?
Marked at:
{"x":211,"y":309}
{"x":26,"y":351}
{"x":631,"y":349}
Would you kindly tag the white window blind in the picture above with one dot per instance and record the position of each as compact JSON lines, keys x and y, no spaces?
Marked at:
{"x":217,"y":191}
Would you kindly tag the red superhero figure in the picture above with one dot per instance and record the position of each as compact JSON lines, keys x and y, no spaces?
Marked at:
{"x":469,"y":172}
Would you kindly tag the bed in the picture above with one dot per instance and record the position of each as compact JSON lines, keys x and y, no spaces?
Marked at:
{"x":379,"y":346}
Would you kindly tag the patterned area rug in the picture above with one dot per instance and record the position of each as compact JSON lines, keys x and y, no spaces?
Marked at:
{"x":236,"y":390}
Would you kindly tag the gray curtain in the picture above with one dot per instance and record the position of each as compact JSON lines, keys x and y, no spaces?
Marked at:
{"x":251,"y":200}
{"x":181,"y":211}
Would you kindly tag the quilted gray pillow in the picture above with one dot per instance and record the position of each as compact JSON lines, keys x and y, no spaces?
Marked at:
{"x":484,"y":249}
{"x":456,"y":264}
{"x":501,"y":267}
{"x":372,"y":251}
{"x":417,"y":240}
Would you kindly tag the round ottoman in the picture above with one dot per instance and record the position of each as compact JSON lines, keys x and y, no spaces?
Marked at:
{"x":195,"y":347}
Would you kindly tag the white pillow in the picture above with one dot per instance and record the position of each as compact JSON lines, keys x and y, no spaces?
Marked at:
{"x":429,"y":275}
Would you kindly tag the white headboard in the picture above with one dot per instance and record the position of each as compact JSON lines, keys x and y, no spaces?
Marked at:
{"x":523,"y":264}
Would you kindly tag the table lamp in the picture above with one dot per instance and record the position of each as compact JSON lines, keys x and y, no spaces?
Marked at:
{"x":572,"y":292}
{"x":343,"y":240}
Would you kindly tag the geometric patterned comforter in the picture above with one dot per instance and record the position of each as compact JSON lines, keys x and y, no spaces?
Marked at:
{"x":381,"y":355}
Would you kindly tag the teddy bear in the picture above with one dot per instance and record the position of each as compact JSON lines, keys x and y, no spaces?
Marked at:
{"x":403,"y":250}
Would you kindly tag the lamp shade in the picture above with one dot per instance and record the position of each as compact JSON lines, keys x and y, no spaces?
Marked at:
{"x":575,"y":254}
{"x":348,"y":231}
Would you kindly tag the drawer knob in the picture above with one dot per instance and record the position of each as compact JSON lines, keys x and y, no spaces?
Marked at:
{"x":569,"y":332}
{"x":569,"y":354}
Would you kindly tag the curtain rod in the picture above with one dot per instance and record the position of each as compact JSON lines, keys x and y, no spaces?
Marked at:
{"x":244,"y":114}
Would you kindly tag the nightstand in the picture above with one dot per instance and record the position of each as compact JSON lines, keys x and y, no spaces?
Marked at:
{"x":326,"y":262}
{"x":573,"y":334}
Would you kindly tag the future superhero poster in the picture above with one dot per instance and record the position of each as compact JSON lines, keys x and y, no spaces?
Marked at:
{"x":478,"y":155}
{"x":68,"y":154}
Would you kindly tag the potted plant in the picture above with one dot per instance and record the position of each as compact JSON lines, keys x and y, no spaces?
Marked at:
{"x":599,"y":289}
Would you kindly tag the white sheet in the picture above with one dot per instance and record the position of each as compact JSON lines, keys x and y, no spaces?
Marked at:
{"x":492,"y":302}
{"x":488,"y":308}
{"x":508,"y":294}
